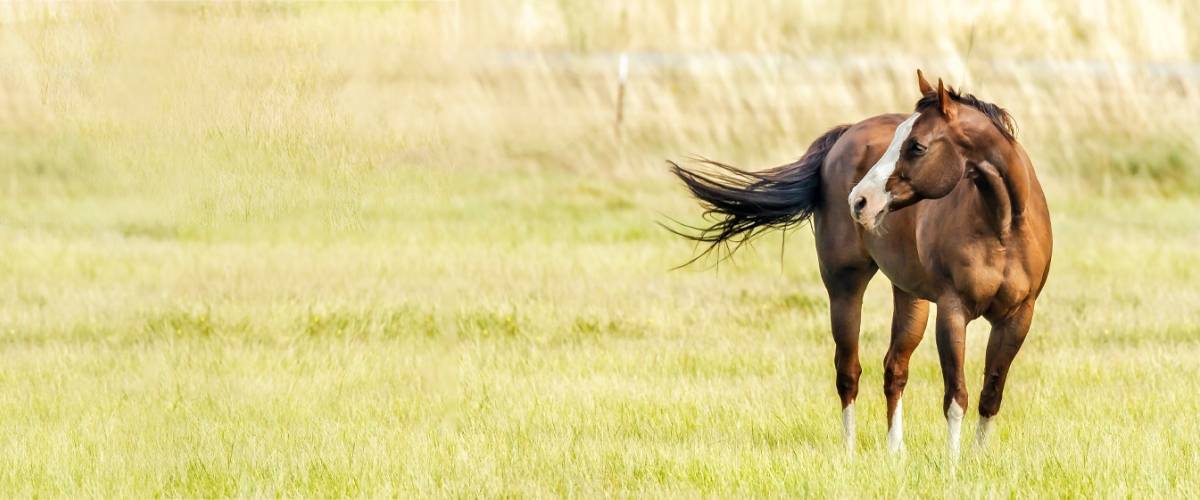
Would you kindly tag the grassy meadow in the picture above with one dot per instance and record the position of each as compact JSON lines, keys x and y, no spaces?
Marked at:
{"x":326,"y":250}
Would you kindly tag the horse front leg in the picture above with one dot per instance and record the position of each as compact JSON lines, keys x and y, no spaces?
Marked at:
{"x":1005,"y":340}
{"x":951,"y":343}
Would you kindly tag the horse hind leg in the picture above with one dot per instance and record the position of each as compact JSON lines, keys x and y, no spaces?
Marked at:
{"x":846,"y":287}
{"x":909,"y":317}
{"x":951,"y":343}
{"x":1005,"y":340}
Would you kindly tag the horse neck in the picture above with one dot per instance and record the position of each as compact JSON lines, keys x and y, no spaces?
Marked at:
{"x":1018,"y":176}
{"x":1004,"y":182}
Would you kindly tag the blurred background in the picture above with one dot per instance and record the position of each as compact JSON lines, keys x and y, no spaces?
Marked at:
{"x":1105,"y":92}
{"x":409,"y":248}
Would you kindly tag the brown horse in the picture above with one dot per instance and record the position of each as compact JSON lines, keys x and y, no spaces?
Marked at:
{"x":943,"y":201}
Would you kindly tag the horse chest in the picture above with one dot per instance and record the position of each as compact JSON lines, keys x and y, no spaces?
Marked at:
{"x":986,"y":276}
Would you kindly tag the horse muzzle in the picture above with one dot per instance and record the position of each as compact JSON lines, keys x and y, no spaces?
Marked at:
{"x":869,"y":206}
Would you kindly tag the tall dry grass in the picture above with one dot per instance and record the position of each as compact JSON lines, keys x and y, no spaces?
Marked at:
{"x":1106,"y":93}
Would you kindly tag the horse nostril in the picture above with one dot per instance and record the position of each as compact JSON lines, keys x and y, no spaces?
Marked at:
{"x":859,"y":204}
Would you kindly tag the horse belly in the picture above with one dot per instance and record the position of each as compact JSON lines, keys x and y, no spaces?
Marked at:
{"x":901,"y":263}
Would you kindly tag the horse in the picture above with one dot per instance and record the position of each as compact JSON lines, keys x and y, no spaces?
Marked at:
{"x":944,"y":201}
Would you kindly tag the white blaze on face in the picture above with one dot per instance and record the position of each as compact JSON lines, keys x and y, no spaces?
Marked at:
{"x":871,"y":189}
{"x":879,"y":173}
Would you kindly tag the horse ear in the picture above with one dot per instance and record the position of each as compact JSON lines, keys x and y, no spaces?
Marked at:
{"x":945,"y":103}
{"x":923,"y":84}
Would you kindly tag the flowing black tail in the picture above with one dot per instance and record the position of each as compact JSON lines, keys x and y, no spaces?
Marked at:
{"x":747,"y":203}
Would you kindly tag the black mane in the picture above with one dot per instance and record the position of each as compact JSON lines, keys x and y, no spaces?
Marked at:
{"x":999,"y":117}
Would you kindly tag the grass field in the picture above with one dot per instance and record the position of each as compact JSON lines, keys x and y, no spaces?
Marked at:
{"x":373,"y":250}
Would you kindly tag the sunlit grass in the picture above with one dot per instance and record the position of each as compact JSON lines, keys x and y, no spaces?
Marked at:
{"x":324,"y":250}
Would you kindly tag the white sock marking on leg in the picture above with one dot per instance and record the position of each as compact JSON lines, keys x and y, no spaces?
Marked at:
{"x":848,"y":427}
{"x":984,"y":430}
{"x":954,"y":418}
{"x":895,"y":435}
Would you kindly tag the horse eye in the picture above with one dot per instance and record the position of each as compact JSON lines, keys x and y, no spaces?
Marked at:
{"x":916,"y":149}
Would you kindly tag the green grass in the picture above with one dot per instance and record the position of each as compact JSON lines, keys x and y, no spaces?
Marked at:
{"x":485,"y":333}
{"x":312,"y":263}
